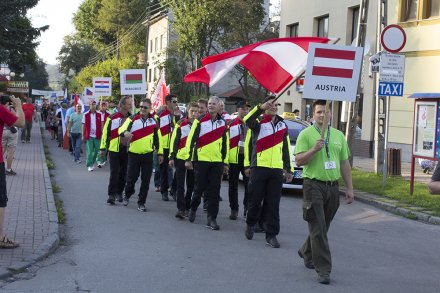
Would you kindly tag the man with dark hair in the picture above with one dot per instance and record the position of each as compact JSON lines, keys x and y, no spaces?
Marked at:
{"x":271,"y":161}
{"x":116,"y":147}
{"x":296,"y":113}
{"x":166,"y":120}
{"x":203,"y":106}
{"x":10,"y":119}
{"x":29,"y":115}
{"x":177,"y":160}
{"x":237,"y":137}
{"x":325,"y":159}
{"x":207,"y":146}
{"x":141,"y":131}
{"x":92,"y":132}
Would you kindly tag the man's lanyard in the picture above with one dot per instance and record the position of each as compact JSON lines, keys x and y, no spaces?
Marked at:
{"x":327,"y":139}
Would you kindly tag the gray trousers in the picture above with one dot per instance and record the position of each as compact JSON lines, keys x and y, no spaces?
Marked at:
{"x":321,"y":202}
{"x":26,"y":131}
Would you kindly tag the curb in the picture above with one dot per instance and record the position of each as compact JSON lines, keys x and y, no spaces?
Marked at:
{"x":52,"y":240}
{"x":375,"y":201}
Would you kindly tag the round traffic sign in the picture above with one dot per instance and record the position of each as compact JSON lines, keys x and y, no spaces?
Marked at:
{"x":393,"y":38}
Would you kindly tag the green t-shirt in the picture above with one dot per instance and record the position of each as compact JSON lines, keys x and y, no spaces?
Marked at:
{"x":338,"y":151}
{"x":76,"y":120}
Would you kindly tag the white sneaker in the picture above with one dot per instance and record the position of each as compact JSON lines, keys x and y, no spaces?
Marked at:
{"x":90,"y":169}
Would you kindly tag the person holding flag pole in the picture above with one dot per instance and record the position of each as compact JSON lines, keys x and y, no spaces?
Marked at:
{"x":324,"y":154}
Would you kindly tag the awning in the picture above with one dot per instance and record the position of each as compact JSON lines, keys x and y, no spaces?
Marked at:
{"x":425,"y":96}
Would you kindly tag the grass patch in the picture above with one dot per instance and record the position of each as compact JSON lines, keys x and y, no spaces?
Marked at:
{"x":50,"y":164}
{"x":398,"y":189}
{"x":60,"y":211}
{"x":55,"y":188}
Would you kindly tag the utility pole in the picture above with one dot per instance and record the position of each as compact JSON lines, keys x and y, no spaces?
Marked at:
{"x":381,"y":102}
{"x":354,"y":107}
{"x":147,"y":36}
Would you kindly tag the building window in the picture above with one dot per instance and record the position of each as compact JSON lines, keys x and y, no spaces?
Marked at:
{"x":151,"y":46}
{"x":323,"y":27}
{"x":410,"y":9}
{"x":419,"y":9}
{"x":433,"y":9}
{"x":156,"y":43}
{"x":292,"y":30}
{"x":149,"y":75}
{"x":354,"y":22}
{"x":161,"y":42}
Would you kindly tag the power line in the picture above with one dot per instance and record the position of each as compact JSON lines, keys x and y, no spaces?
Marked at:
{"x":131,"y":31}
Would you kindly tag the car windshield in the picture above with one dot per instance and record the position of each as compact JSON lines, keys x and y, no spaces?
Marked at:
{"x":295,"y":127}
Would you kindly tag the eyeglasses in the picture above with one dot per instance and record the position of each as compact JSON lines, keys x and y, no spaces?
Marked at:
{"x":144,"y":107}
{"x":174,"y":101}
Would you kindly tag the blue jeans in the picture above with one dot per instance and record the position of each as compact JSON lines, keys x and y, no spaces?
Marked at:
{"x":76,"y":145}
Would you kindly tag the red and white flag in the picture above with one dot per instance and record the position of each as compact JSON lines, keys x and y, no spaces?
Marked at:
{"x":273,"y":63}
{"x":333,"y":63}
{"x":158,"y":98}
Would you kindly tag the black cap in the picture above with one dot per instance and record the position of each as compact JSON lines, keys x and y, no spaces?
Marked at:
{"x":242,"y":104}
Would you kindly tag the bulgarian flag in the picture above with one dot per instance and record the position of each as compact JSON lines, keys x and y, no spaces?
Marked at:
{"x":273,"y":63}
{"x":133,"y":78}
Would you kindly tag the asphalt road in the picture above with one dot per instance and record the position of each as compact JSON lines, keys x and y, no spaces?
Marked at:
{"x":118,"y":249}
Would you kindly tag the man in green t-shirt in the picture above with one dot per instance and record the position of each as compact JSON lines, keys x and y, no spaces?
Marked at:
{"x":324,"y":160}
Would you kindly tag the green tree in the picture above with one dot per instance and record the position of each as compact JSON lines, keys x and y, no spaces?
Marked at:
{"x":37,"y":75}
{"x":107,"y":68}
{"x":87,"y":25}
{"x":74,"y":54}
{"x":18,"y":37}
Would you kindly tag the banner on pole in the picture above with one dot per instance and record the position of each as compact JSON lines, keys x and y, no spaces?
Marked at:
{"x":133,"y":82}
{"x":333,"y":72}
{"x":102,"y":86}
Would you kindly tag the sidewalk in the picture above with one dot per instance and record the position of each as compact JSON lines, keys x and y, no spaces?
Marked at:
{"x":31,"y":218}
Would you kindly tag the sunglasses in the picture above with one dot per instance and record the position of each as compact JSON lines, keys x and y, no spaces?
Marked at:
{"x":144,"y":107}
{"x":174,"y":101}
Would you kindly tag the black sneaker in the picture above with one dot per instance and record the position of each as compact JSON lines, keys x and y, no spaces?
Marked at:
{"x":165,"y":196}
{"x":142,"y":208}
{"x":180,"y":215}
{"x":212,"y":224}
{"x":191,"y":215}
{"x":234,"y":215}
{"x":272,"y":242}
{"x":111,"y":200}
{"x":324,"y":279}
{"x":125,"y":201}
{"x":249,"y":233}
{"x":10,"y":172}
{"x":120,"y":199}
{"x":245,"y":213}
{"x":308,"y":263}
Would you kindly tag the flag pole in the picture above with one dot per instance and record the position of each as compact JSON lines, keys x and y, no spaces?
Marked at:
{"x":133,"y":106}
{"x":333,"y":40}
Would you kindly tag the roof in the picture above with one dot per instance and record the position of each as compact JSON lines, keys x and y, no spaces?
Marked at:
{"x":425,"y":96}
{"x":238,"y":93}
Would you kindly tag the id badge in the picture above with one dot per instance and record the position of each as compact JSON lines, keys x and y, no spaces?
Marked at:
{"x":330,"y":165}
{"x":241,"y":143}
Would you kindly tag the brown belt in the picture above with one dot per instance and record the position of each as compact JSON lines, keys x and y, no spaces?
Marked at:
{"x":329,"y":183}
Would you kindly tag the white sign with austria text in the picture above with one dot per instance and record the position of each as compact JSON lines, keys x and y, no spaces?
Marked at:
{"x":333,"y":72}
{"x":133,"y":82}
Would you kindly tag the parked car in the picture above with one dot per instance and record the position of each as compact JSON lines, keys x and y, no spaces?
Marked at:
{"x":295,"y":126}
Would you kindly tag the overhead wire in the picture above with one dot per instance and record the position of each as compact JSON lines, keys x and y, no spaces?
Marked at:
{"x":131,"y":31}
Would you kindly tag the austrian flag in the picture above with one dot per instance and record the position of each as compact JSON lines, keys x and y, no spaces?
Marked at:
{"x":333,"y":63}
{"x":273,"y":63}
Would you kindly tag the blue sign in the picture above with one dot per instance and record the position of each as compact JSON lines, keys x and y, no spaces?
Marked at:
{"x":391,"y":89}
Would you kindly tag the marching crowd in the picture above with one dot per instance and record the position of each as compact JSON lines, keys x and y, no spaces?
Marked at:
{"x":202,"y":146}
